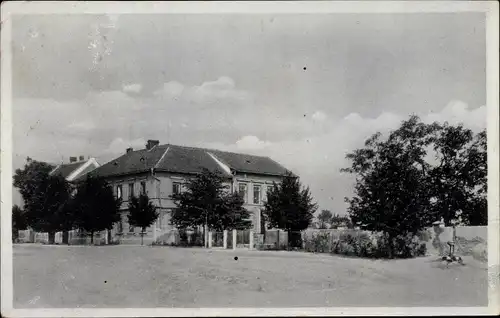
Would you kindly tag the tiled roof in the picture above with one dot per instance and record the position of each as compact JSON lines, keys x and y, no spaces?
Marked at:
{"x":67,"y":168}
{"x":189,"y":160}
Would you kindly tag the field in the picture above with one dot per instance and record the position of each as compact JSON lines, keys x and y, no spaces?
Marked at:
{"x":144,"y":276}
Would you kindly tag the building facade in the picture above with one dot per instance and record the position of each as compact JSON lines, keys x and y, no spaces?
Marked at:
{"x":162,"y":170}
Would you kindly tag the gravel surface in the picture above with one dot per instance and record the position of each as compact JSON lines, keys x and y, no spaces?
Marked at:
{"x":145,"y":276}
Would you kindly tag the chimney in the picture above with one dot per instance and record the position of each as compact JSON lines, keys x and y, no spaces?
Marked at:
{"x":72,"y":159}
{"x":82,"y":158}
{"x":130,"y":150}
{"x":152,"y":143}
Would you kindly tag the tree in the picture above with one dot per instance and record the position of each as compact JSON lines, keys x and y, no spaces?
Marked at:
{"x":338,"y":221}
{"x":399,"y":187}
{"x":95,"y":205}
{"x":324,"y":217}
{"x":207,"y":201}
{"x":289,"y":206}
{"x":391,"y":192}
{"x":231,"y":213}
{"x":19,"y":222}
{"x":44,"y":196}
{"x":459,"y":178}
{"x":141,"y":213}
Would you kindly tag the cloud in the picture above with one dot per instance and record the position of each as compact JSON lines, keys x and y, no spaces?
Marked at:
{"x":319,"y":116}
{"x":218,"y":91}
{"x":119,"y":145}
{"x":132,"y":88}
{"x":171,"y":89}
{"x":251,"y":143}
{"x":457,"y":112}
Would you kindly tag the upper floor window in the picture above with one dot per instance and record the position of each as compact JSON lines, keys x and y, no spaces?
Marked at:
{"x":119,"y":191}
{"x":256,"y":194}
{"x":131,"y":190}
{"x":143,"y":187}
{"x":242,"y":189}
{"x":176,"y":188}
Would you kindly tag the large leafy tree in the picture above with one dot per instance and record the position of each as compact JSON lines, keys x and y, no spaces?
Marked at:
{"x":338,"y":220}
{"x":231,"y":214}
{"x":141,"y":213}
{"x":207,"y":201}
{"x":44,"y":195}
{"x":95,"y":206}
{"x":399,"y":187}
{"x":324,"y":217}
{"x":391,"y":192}
{"x":290,"y":207}
{"x":19,"y":221}
{"x":458,"y":180}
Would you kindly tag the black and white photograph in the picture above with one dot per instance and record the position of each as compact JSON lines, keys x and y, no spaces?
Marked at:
{"x":249,"y":158}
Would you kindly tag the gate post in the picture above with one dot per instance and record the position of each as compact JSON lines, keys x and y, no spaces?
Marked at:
{"x":210,"y":239}
{"x":225,"y":239}
{"x":234,"y":239}
{"x":251,"y":239}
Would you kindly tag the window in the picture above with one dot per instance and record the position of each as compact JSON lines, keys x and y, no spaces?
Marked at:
{"x":120,"y":227}
{"x":130,"y":190}
{"x":143,"y":187}
{"x":256,"y":194}
{"x":243,"y":191}
{"x":176,"y":188}
{"x":119,"y":191}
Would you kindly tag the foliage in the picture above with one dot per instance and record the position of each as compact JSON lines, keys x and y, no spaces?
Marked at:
{"x":459,"y":178}
{"x":398,"y":191}
{"x":95,"y":205}
{"x":19,"y":221}
{"x":45,"y":197}
{"x":324,"y":217}
{"x":231,"y":215}
{"x":338,"y":221}
{"x":361,"y":244}
{"x":318,"y":243}
{"x":289,"y":207}
{"x":207,"y":201}
{"x":141,"y":213}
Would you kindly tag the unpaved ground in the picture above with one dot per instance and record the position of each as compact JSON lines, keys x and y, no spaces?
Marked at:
{"x":142,"y":276}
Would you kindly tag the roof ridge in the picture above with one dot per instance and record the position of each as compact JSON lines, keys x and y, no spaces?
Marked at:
{"x":218,"y":150}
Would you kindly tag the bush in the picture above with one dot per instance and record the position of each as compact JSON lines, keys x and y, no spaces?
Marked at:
{"x":318,"y":243}
{"x":197,"y":238}
{"x":403,"y":246}
{"x":362,"y":244}
{"x":352,"y":243}
{"x":480,"y":252}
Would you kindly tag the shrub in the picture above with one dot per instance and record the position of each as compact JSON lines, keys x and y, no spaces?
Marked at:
{"x":403,"y":246}
{"x":318,"y":243}
{"x":363,"y":244}
{"x":197,"y":238}
{"x":352,"y":243}
{"x":480,"y":252}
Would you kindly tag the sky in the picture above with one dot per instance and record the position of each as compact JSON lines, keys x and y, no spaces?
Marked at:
{"x":301,"y":89}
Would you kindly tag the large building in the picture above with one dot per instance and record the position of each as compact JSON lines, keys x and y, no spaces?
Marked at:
{"x":162,"y":170}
